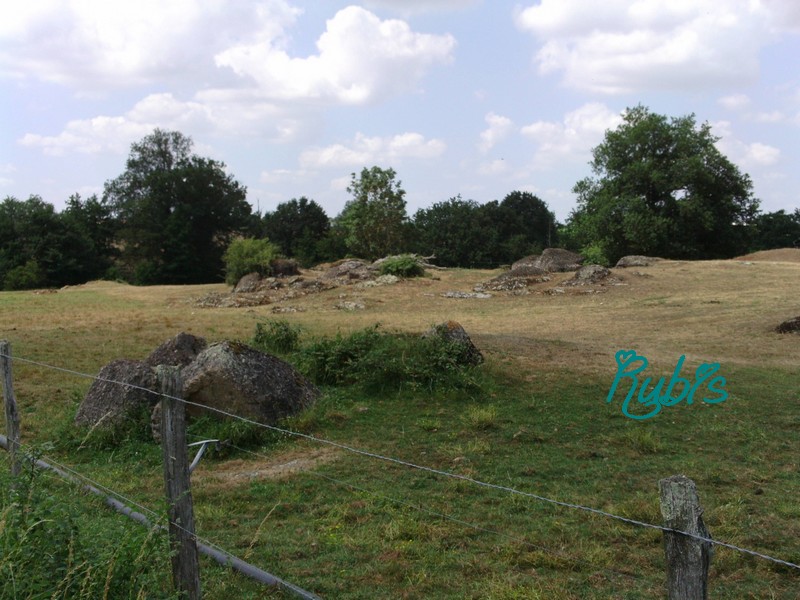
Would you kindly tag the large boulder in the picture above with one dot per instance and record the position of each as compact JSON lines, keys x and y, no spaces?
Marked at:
{"x":558,"y":260}
{"x":452,"y":331}
{"x":589,"y":274}
{"x":240,"y":380}
{"x":636,"y":260}
{"x":177,"y":352}
{"x":119,"y":397}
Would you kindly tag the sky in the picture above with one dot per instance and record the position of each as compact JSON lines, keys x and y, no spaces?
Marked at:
{"x":460,"y":97}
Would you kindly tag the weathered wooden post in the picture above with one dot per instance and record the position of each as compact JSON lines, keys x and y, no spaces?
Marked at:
{"x":688,"y":558}
{"x":12,"y":416}
{"x":185,"y":563}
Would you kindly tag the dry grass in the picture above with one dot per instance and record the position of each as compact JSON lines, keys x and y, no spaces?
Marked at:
{"x":721,"y":311}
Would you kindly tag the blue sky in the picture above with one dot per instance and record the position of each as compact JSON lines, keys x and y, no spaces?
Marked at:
{"x":465,"y":97}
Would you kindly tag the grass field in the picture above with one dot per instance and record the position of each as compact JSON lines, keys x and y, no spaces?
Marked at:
{"x":346,"y":526}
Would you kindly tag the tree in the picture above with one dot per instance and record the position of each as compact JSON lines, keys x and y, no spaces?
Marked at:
{"x":374,"y":221}
{"x":526,"y":226}
{"x":662,"y":187}
{"x":450,"y":230}
{"x":177,"y":211}
{"x":247,"y":255}
{"x":777,"y":230}
{"x":297,"y":227}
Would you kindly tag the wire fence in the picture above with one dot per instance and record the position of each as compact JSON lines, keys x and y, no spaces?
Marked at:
{"x":367,"y":454}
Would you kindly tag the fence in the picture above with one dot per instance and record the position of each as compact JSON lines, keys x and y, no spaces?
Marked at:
{"x":687,"y":542}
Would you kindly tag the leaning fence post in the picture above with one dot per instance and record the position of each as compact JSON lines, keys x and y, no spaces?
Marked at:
{"x":688,"y":558}
{"x":185,"y":563}
{"x":12,"y":416}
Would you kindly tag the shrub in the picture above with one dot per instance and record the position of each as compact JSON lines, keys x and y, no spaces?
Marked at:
{"x":248,"y":255}
{"x":593,"y":255}
{"x":380,"y":360}
{"x":404,"y":265}
{"x":276,"y":336}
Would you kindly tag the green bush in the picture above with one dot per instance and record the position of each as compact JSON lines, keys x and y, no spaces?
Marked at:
{"x":404,"y":265}
{"x":278,"y":336}
{"x":593,"y":255}
{"x":381,"y":361}
{"x":248,"y":255}
{"x":24,"y":277}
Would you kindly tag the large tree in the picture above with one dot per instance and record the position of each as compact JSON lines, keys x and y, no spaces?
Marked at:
{"x":177,"y":211}
{"x":298,"y":227}
{"x":374,"y":221}
{"x":662,"y":187}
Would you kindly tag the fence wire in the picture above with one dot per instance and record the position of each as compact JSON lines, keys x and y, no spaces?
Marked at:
{"x":423,"y":468}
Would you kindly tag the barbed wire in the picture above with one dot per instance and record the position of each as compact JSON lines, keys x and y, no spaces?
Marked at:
{"x":77,"y":478}
{"x":440,"y":515}
{"x":423,"y":468}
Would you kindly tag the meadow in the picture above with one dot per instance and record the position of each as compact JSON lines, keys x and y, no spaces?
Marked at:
{"x":535,"y":419}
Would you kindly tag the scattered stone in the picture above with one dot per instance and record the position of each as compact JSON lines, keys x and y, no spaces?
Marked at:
{"x":284,"y":267}
{"x":452,"y":331}
{"x":278,"y":310}
{"x":590,"y":275}
{"x":348,"y":270}
{"x":558,"y":260}
{"x":790,"y":326}
{"x":481,"y":295}
{"x":248,"y":284}
{"x":637,"y":260}
{"x":177,"y":352}
{"x":109,"y":405}
{"x":349,"y":306}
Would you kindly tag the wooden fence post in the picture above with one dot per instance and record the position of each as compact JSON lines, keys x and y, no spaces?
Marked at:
{"x":185,"y":563}
{"x":688,"y":558}
{"x":12,"y":416}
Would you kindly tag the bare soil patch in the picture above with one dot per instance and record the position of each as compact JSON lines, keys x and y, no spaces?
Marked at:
{"x":243,"y":471}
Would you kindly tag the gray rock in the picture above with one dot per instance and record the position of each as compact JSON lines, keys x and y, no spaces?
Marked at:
{"x":452,"y":331}
{"x":110,"y":405}
{"x":237,"y":379}
{"x":177,"y":352}
{"x":636,"y":260}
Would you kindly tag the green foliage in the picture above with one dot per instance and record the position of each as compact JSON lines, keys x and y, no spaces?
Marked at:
{"x":374,"y":221}
{"x":248,"y":255}
{"x":662,"y":188}
{"x":379,"y":361}
{"x":25,"y":277}
{"x":177,"y":211}
{"x":55,"y":543}
{"x":465,"y":234}
{"x":298,"y":228}
{"x":279,"y":336}
{"x":404,"y":265}
{"x":594,"y":255}
{"x":777,"y":230}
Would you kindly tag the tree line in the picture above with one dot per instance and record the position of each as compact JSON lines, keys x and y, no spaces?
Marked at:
{"x":659,"y":187}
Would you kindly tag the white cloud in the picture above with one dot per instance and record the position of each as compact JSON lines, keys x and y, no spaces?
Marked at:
{"x":774,"y":116}
{"x":735,"y":101}
{"x":621,"y":46}
{"x":365,"y":151}
{"x":409,"y":7}
{"x":760,"y":154}
{"x":361,"y":59}
{"x":93,"y":44}
{"x":90,"y":136}
{"x":572,"y":139}
{"x":746,"y":155}
{"x":499,"y":128}
{"x":495,"y":167}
